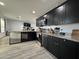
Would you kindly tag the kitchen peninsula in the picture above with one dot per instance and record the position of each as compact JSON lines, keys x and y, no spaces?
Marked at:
{"x":21,"y":36}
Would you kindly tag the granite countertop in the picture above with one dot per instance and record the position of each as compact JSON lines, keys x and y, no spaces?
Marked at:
{"x":68,"y":37}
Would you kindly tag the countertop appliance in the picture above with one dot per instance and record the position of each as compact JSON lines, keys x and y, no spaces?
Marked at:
{"x":57,"y":30}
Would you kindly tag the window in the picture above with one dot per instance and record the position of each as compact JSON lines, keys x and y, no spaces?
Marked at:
{"x":2,"y":25}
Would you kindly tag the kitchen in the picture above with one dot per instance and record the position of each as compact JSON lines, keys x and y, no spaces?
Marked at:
{"x":53,"y":27}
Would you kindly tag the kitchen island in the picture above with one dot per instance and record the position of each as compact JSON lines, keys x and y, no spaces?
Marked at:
{"x":21,"y":36}
{"x":62,"y":46}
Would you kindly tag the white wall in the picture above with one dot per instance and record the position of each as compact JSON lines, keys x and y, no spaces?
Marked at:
{"x":66,"y":28}
{"x":14,"y":25}
{"x":33,"y":24}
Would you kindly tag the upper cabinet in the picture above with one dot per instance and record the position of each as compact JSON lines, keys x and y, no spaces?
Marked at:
{"x":72,"y":12}
{"x":66,"y":13}
{"x":41,"y":21}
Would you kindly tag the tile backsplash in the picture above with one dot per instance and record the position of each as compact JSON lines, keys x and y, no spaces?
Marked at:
{"x":64,"y":28}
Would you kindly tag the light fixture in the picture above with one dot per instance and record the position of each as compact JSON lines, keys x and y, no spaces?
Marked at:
{"x":2,"y":4}
{"x":45,"y":15}
{"x":33,"y":12}
{"x":61,"y":8}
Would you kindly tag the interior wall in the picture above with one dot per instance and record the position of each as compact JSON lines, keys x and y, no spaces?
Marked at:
{"x":14,"y":25}
{"x":69,"y":28}
{"x":65,"y":28}
{"x":33,"y":24}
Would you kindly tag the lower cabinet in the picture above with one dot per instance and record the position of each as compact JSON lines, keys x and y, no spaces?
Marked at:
{"x":61,"y":48}
{"x":53,"y":45}
{"x":44,"y":41}
{"x":78,"y":53}
{"x":68,"y":49}
{"x":28,"y":36}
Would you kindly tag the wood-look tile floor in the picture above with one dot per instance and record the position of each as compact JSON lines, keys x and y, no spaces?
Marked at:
{"x":26,"y":50}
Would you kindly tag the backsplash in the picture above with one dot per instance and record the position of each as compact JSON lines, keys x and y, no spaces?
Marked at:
{"x":65,"y":28}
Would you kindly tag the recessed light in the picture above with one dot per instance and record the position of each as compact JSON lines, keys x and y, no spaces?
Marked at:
{"x":61,"y":8}
{"x":45,"y":15}
{"x":33,"y":12}
{"x":2,"y":4}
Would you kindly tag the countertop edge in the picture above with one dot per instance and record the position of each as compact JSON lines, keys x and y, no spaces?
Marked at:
{"x":67,"y":37}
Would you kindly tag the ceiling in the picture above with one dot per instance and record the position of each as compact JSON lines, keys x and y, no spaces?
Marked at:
{"x":15,"y":8}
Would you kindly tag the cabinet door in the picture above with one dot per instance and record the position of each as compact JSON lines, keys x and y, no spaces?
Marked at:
{"x":58,"y":16}
{"x":55,"y":17}
{"x":78,"y":51}
{"x":53,"y":44}
{"x":72,"y":12}
{"x":31,"y":35}
{"x":39,"y":21}
{"x":44,"y":41}
{"x":50,"y":19}
{"x":67,"y":50}
{"x":49,"y":43}
{"x":56,"y":47}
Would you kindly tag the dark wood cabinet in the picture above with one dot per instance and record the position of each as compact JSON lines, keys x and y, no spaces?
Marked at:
{"x":41,"y":21}
{"x":54,"y":46}
{"x":67,"y":15}
{"x":78,"y":52}
{"x":38,"y":21}
{"x":72,"y":12}
{"x":50,"y":19}
{"x":44,"y":41}
{"x":28,"y":36}
{"x":51,"y":45}
{"x":61,"y":48}
{"x":68,"y":49}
